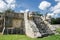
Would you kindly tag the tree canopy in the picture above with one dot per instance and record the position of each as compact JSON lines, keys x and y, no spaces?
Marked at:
{"x":38,"y":13}
{"x":55,"y":21}
{"x":9,"y":11}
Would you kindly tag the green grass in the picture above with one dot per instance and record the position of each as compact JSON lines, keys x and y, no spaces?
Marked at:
{"x":58,"y":30}
{"x":23,"y":37}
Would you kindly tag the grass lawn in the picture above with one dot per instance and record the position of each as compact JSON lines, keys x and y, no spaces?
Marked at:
{"x":23,"y":37}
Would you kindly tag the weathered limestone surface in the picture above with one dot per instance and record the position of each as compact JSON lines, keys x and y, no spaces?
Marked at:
{"x":36,"y":27}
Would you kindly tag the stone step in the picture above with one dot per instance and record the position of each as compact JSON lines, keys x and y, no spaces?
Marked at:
{"x":43,"y":27}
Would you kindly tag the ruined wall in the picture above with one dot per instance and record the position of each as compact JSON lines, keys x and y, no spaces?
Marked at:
{"x":16,"y":23}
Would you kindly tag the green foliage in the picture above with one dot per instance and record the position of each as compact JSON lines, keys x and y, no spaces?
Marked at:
{"x":9,"y":11}
{"x":55,"y":21}
{"x":38,"y":13}
{"x":0,"y":12}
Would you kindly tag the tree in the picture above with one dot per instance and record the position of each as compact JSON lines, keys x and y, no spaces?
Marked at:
{"x":9,"y":11}
{"x":55,"y":21}
{"x":38,"y":13}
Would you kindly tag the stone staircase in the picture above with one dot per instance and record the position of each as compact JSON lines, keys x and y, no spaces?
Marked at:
{"x":34,"y":29}
{"x":36,"y":26}
{"x":42,"y":27}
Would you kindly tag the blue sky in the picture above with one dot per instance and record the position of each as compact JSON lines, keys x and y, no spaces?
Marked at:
{"x":32,"y":5}
{"x":52,"y":7}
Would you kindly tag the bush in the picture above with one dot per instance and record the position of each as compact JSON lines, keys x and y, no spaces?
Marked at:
{"x":55,"y":21}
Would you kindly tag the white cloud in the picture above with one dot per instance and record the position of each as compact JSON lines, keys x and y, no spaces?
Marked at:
{"x":54,"y":13}
{"x":10,"y":1}
{"x":26,"y":10}
{"x":57,"y":11}
{"x":57,"y":0}
{"x":44,"y":5}
{"x":12,"y":6}
{"x":56,"y":7}
{"x":50,"y":14}
{"x":2,"y":6}
{"x":21,"y":11}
